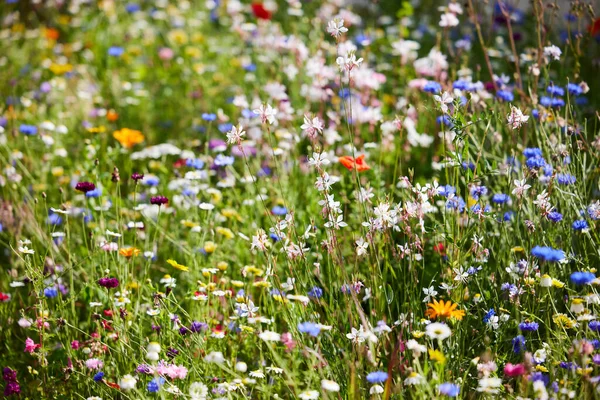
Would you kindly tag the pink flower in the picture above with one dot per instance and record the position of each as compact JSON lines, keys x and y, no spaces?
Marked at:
{"x":166,"y":53}
{"x":514,"y":370}
{"x":75,"y":344}
{"x":94,"y":363}
{"x":286,"y":339}
{"x":30,"y":345}
{"x":110,"y":246}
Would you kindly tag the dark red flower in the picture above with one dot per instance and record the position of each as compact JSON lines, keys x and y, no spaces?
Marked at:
{"x":85,"y":186}
{"x":260,"y":11}
{"x":159,"y":200}
{"x":4,"y":297}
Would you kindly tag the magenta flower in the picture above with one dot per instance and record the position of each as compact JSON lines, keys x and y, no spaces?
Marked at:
{"x":85,"y":186}
{"x":108,"y":282}
{"x":159,"y":200}
{"x":30,"y":345}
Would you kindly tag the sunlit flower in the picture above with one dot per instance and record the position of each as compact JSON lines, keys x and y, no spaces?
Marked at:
{"x":444,"y":310}
{"x":128,"y":137}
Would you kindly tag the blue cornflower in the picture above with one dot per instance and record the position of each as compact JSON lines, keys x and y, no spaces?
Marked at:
{"x":594,"y":325}
{"x":500,"y":198}
{"x":250,"y":67}
{"x":209,"y":117}
{"x":316,"y":292}
{"x":473,"y":270}
{"x":528,"y":326}
{"x":28,"y":129}
{"x":557,"y":102}
{"x":151,"y":180}
{"x":446,"y":190}
{"x":449,"y":389}
{"x":477,"y":207}
{"x":132,"y":7}
{"x":555,"y":216}
{"x":566,"y":179}
{"x":535,"y":162}
{"x":574,"y":89}
{"x":274,"y":237}
{"x":279,"y":210}
{"x":509,"y":287}
{"x":548,"y":253}
{"x":505,"y":95}
{"x":580,"y":225}
{"x":508,"y":216}
{"x":460,"y":84}
{"x":547,"y":170}
{"x":444,"y":120}
{"x":582,"y":278}
{"x":195,"y":163}
{"x":50,"y":292}
{"x":54,"y":219}
{"x":248,"y":114}
{"x":532,"y":152}
{"x":468,"y":165}
{"x":226,"y":127}
{"x":567,"y":365}
{"x":535,"y":113}
{"x":456,"y":203}
{"x":555,"y":90}
{"x":94,"y":193}
{"x":432,"y":87}
{"x":116,"y":51}
{"x":155,"y":384}
{"x":477,"y":191}
{"x":309,"y":327}
{"x":539,"y":376}
{"x":518,"y":344}
{"x":489,"y":315}
{"x":545,"y":101}
{"x":99,"y":376}
{"x":377,"y":377}
{"x":222,"y":160}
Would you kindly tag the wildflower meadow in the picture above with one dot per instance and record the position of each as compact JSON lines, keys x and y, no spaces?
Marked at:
{"x":299,"y":199}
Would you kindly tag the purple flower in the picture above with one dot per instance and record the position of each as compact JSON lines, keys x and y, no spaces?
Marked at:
{"x":198,"y":326}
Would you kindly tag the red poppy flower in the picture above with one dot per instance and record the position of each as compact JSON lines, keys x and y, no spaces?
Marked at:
{"x":260,"y":11}
{"x":180,"y":163}
{"x":4,"y":297}
{"x":440,"y":249}
{"x":351,"y":163}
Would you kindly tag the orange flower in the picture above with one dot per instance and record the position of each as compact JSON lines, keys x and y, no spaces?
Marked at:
{"x":351,"y":163}
{"x":112,"y":116}
{"x":51,"y":34}
{"x":128,"y":137}
{"x":444,"y":310}
{"x":129,"y":251}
